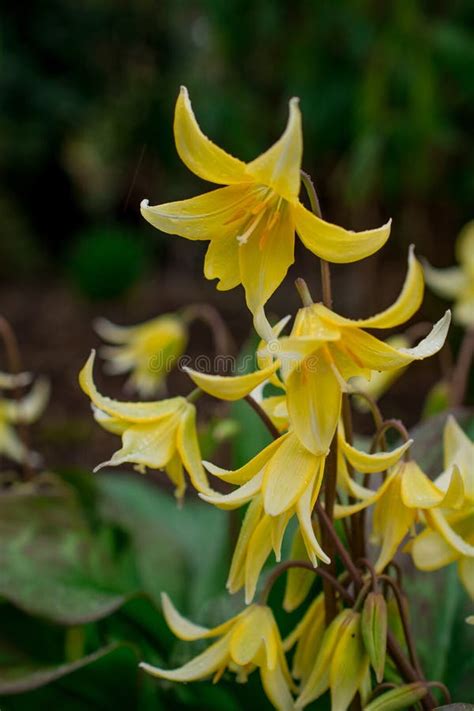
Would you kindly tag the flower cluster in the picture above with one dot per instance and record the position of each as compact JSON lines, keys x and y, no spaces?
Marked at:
{"x":312,"y":474}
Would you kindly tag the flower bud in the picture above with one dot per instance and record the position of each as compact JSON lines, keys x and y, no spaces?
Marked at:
{"x":403,"y":697}
{"x":374,"y":631}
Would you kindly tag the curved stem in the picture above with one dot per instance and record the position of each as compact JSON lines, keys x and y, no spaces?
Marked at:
{"x":461,"y":369}
{"x":442,"y":687}
{"x":223,"y":342}
{"x":327,"y":524}
{"x":368,"y":565}
{"x":405,"y":624}
{"x":263,"y":416}
{"x":316,"y":208}
{"x":391,"y":425}
{"x":194,"y":395}
{"x":286,"y":565}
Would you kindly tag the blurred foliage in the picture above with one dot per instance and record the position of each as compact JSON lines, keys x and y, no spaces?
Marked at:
{"x":87,"y":93}
{"x":104,"y":263}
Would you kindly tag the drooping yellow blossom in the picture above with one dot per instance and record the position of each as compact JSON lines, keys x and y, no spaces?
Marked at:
{"x":251,"y":222}
{"x":325,"y":350}
{"x":247,"y":641}
{"x":398,"y":501}
{"x":341,"y":665}
{"x":20,"y":412}
{"x":281,"y":481}
{"x":380,"y":381}
{"x":157,"y":435}
{"x":457,"y":283}
{"x":449,"y":533}
{"x":149,"y":350}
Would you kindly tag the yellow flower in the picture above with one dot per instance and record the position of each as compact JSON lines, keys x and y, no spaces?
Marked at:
{"x":397,"y":503}
{"x":247,"y":641}
{"x":281,"y":481}
{"x":158,"y":435}
{"x":457,"y":283}
{"x":325,"y":350}
{"x":251,"y":222}
{"x":20,"y":412}
{"x":449,"y":535}
{"x":308,"y":637}
{"x":341,"y":665}
{"x":380,"y":381}
{"x":149,"y":350}
{"x":431,"y":550}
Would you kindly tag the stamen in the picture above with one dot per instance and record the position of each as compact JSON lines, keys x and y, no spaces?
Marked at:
{"x":242,"y":239}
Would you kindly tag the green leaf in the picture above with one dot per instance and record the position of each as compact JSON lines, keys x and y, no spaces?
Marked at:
{"x":52,"y":563}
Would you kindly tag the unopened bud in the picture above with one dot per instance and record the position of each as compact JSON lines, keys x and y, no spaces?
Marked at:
{"x":374,"y":631}
{"x":398,"y":699}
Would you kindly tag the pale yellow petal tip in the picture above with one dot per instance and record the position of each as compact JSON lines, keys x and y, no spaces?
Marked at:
{"x":149,"y":669}
{"x":145,"y":203}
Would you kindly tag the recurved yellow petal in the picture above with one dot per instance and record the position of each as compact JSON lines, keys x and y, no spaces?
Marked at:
{"x":371,"y":463}
{"x":287,"y":474}
{"x":401,"y":310}
{"x":252,"y":517}
{"x":279,"y":167}
{"x":251,"y":468}
{"x":188,"y":448}
{"x":234,"y":387}
{"x":438,"y":521}
{"x":148,"y":444}
{"x":198,"y":152}
{"x":276,"y":688}
{"x":207,"y":216}
{"x":334,"y":243}
{"x":253,"y":633}
{"x":446,"y":282}
{"x":314,"y":402}
{"x":131,"y":411}
{"x":298,"y":580}
{"x":187,"y":630}
{"x":259,"y":548}
{"x":238,"y":497}
{"x":200,"y":667}
{"x":430,"y":551}
{"x":304,"y":509}
{"x":392,"y":522}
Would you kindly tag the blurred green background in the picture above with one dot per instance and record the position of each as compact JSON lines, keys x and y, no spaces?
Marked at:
{"x":87,"y":92}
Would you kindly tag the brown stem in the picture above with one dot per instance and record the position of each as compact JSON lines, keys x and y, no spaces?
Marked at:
{"x":460,"y":375}
{"x":368,"y":565}
{"x":286,"y":565}
{"x":391,"y":425}
{"x":326,"y":524}
{"x":405,"y":624}
{"x":442,"y":687}
{"x":357,"y":539}
{"x":223,"y":341}
{"x":329,"y":544}
{"x":405,"y":668}
{"x":263,"y":416}
{"x":316,"y":208}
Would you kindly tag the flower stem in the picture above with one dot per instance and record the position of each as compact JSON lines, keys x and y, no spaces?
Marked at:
{"x":461,"y":369}
{"x":286,"y":565}
{"x":263,"y":416}
{"x":223,"y":341}
{"x":316,"y":208}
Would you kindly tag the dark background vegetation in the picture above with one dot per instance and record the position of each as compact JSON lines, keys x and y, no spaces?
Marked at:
{"x":87,"y":92}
